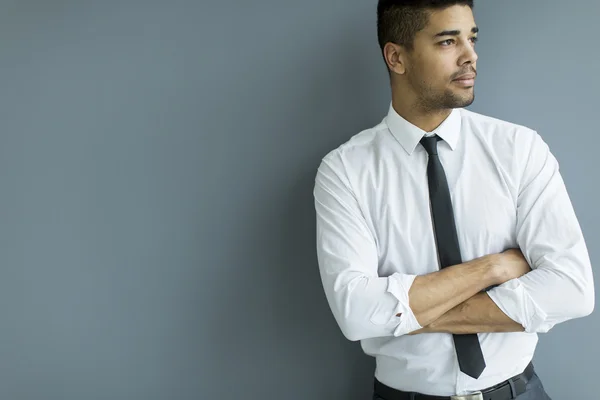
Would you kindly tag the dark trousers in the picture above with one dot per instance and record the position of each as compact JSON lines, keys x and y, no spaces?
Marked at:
{"x":533,"y":391}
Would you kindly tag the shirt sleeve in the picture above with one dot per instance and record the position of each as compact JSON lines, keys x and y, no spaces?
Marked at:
{"x":363,"y":304}
{"x":560,"y":286}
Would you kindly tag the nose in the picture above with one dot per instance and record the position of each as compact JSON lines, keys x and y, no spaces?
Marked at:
{"x":469,"y":55}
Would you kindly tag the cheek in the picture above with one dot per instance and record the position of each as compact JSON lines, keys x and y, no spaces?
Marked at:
{"x":432,"y":70}
{"x":442,"y":66}
{"x":443,"y":70}
{"x":435,"y":70}
{"x":434,"y":76}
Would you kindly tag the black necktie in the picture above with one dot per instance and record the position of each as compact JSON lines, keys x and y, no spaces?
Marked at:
{"x":468,"y":350}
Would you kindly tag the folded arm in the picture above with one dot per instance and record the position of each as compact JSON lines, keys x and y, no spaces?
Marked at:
{"x":364,"y":304}
{"x":560,"y":286}
{"x":476,"y":315}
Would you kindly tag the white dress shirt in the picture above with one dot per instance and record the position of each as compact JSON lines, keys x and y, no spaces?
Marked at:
{"x":375,"y":235}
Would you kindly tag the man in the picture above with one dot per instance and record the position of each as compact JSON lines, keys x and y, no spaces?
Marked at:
{"x":446,"y":239}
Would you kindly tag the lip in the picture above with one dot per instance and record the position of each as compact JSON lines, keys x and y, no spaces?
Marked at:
{"x":466,"y":77}
{"x":465,"y":82}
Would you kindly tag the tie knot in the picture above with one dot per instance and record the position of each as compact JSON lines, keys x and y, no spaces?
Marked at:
{"x":430,"y":144}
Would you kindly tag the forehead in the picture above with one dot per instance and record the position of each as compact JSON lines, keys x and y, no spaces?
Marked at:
{"x":452,"y":18}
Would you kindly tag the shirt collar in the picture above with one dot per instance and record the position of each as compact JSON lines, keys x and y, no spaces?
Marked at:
{"x":409,"y":135}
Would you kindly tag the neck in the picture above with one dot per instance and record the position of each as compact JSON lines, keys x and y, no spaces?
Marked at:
{"x":427,"y":120}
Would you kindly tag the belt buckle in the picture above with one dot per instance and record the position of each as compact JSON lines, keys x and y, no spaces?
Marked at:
{"x":473,"y":396}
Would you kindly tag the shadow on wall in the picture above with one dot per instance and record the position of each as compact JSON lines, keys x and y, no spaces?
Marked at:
{"x":326,"y":99}
{"x":338,"y":103}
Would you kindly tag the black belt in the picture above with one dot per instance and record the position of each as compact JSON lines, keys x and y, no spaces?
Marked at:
{"x":509,"y":389}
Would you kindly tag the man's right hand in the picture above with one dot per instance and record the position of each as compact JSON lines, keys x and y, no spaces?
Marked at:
{"x":511,"y":264}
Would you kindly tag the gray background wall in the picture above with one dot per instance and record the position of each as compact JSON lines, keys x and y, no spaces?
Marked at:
{"x":156,"y":168}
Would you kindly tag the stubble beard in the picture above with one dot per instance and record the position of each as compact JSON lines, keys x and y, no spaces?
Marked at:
{"x":431,"y":99}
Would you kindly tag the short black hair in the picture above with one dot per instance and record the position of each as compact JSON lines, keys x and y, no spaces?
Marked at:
{"x":398,"y":21}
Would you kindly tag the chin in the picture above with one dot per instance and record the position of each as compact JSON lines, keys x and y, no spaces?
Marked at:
{"x":464,"y":101}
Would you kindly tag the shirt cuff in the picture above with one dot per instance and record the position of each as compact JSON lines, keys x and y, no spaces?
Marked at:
{"x":514,"y":301}
{"x":398,"y":286}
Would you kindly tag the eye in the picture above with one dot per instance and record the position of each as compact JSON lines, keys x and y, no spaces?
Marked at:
{"x":474,"y":39}
{"x":447,"y":42}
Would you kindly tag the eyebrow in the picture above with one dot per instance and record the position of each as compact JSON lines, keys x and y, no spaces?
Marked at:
{"x":454,"y":33}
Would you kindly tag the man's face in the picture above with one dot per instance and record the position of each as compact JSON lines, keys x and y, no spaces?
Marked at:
{"x":443,"y":52}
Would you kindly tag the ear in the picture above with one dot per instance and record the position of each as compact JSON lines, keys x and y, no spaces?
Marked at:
{"x":395,"y":57}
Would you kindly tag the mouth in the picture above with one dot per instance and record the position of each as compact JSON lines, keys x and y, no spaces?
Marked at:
{"x":465,"y":82}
